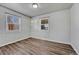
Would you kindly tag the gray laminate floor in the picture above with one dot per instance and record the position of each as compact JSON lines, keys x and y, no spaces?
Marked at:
{"x":32,"y":46}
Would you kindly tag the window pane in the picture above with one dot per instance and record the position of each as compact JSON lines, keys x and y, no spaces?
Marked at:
{"x":13,"y":23}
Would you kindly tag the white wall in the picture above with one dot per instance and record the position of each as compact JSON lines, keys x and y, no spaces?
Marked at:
{"x":36,"y":28}
{"x":59,"y":27}
{"x":10,"y":37}
{"x":75,"y":27}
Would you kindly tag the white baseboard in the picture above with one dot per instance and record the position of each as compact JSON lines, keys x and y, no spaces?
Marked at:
{"x":49,"y":39}
{"x":74,"y":48}
{"x":14,"y":41}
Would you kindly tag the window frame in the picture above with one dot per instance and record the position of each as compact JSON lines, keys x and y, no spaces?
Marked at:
{"x":19,"y":24}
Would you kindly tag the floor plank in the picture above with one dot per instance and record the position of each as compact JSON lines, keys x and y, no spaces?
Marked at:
{"x":33,"y":46}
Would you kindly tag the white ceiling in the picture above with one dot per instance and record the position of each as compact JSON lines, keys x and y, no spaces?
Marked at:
{"x":44,"y":8}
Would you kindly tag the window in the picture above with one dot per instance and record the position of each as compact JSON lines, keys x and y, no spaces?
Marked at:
{"x":44,"y":24}
{"x":13,"y":23}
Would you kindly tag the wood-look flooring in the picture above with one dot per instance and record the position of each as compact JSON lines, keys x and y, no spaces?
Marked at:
{"x":32,"y":46}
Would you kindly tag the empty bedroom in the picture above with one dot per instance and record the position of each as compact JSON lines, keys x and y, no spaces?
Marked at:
{"x":39,"y":28}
